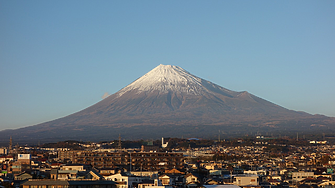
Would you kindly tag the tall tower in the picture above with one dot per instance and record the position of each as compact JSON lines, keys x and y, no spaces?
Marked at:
{"x":10,"y":145}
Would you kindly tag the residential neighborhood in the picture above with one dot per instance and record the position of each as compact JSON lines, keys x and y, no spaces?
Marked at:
{"x":256,"y":163}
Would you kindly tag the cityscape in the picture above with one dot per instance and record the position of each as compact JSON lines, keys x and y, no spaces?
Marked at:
{"x":167,"y":94}
{"x":249,"y":162}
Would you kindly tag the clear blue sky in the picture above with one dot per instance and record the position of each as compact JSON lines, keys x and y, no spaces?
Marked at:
{"x":59,"y":57}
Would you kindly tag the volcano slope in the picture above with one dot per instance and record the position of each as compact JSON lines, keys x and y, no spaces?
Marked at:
{"x":171,"y":102}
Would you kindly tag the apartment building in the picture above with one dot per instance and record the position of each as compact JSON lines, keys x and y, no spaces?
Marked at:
{"x":135,"y":161}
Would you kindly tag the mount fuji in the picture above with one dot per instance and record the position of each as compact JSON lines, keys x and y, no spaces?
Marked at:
{"x":171,"y":102}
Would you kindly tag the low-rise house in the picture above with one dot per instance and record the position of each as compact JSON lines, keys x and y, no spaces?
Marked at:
{"x":255,"y":172}
{"x":172,"y":180}
{"x":327,"y":184}
{"x":212,"y":182}
{"x":290,"y":164}
{"x":23,"y":176}
{"x":166,"y":179}
{"x":146,"y":184}
{"x":174,"y":171}
{"x":93,"y":175}
{"x":192,"y":180}
{"x":149,"y":174}
{"x":274,"y":177}
{"x":124,"y":180}
{"x":54,"y":173}
{"x":67,"y":174}
{"x":299,"y":176}
{"x":246,"y":180}
{"x":75,"y":167}
{"x":6,"y":158}
{"x":275,"y":182}
{"x":56,"y":165}
{"x":153,"y":184}
{"x":310,"y":181}
{"x":107,"y":171}
{"x":16,"y":167}
{"x":75,"y":175}
{"x":3,"y":151}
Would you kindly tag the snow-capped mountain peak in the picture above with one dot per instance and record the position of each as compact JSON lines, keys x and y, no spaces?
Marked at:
{"x":165,"y":78}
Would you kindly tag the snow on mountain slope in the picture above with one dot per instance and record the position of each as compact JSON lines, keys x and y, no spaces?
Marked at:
{"x":167,"y":78}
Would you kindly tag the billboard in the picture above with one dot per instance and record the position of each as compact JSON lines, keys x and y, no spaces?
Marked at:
{"x":23,"y":156}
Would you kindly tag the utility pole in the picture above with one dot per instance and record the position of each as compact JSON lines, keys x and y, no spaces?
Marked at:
{"x":119,"y":145}
{"x":130,"y":162}
{"x":219,"y":135}
{"x":120,"y":150}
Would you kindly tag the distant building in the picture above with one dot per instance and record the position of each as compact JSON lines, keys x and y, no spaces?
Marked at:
{"x":124,"y":180}
{"x":3,"y":151}
{"x":192,"y":180}
{"x":24,"y":158}
{"x":67,"y":155}
{"x":140,"y":161}
{"x":23,"y":176}
{"x":246,"y":180}
{"x":298,"y":176}
{"x":164,"y":145}
{"x":76,"y":167}
{"x":6,"y":158}
{"x":33,"y":183}
{"x":149,"y":148}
